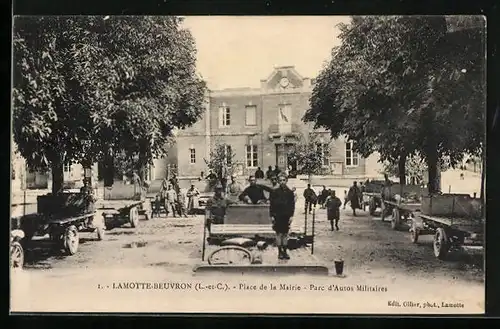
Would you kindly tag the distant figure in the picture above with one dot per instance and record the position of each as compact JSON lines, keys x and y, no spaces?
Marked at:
{"x":294,"y":190}
{"x":170,"y":200}
{"x":259,"y":174}
{"x":192,"y":195}
{"x":346,"y":200}
{"x":269,"y":172}
{"x":281,"y":210}
{"x":361,"y":191}
{"x":324,"y":194}
{"x":234,"y":188}
{"x":333,"y":205}
{"x":86,"y":188}
{"x":254,"y":193}
{"x":277,"y":171}
{"x":155,"y":212}
{"x":462,"y":176}
{"x":215,"y":211}
{"x":181,"y":202}
{"x":310,"y":198}
{"x":353,"y":197}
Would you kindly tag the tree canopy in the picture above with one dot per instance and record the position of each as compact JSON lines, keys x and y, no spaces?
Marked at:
{"x":87,"y":86}
{"x":398,"y":85}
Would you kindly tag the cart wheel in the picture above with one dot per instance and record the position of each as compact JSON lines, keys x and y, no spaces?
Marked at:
{"x":396,"y":219}
{"x":372,"y":206}
{"x":441,"y":245}
{"x":71,"y":240}
{"x":134,"y":217}
{"x":230,"y":255}
{"x":16,"y":255}
{"x":414,"y":233}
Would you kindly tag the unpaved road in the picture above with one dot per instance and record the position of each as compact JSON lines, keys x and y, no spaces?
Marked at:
{"x":170,"y":247}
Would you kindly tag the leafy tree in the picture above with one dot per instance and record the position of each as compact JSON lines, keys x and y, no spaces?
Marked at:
{"x":87,"y":88}
{"x":221,"y":162}
{"x":308,"y":157}
{"x":380,"y":90}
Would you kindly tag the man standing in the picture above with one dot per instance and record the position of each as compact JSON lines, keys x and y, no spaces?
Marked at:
{"x":192,"y":195}
{"x":234,"y":188}
{"x":269,"y":172}
{"x":215,"y":211}
{"x":281,"y":210}
{"x":170,"y":200}
{"x":353,"y":197}
{"x":254,"y":193}
{"x":259,"y":174}
{"x":310,"y":198}
{"x":277,"y":171}
{"x":323,"y":196}
{"x":333,"y":210}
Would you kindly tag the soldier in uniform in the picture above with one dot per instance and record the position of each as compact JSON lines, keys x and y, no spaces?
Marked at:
{"x":234,"y":188}
{"x":215,"y":210}
{"x":281,"y":210}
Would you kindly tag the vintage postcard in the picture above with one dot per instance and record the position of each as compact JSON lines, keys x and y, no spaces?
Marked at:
{"x":223,"y":164}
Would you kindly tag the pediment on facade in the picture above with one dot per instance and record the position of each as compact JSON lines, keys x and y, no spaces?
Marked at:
{"x":283,"y":78}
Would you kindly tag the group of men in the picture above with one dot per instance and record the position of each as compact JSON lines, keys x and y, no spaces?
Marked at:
{"x":281,"y":205}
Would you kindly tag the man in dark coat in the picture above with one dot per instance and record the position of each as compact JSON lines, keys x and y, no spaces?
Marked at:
{"x":323,"y":196}
{"x":353,"y":197}
{"x":254,"y":193}
{"x":269,"y":172}
{"x":310,"y":198}
{"x":259,"y":174}
{"x":333,"y":205}
{"x":281,"y":210}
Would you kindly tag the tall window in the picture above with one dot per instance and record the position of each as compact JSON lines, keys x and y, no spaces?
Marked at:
{"x":250,"y":115}
{"x":192,"y":155}
{"x":67,"y":168}
{"x":224,"y":116}
{"x":228,"y":153}
{"x":324,"y":153}
{"x":351,"y":157}
{"x":252,"y":157}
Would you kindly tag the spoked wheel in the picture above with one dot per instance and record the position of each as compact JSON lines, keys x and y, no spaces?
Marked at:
{"x":71,"y":240}
{"x":134,"y":217}
{"x":395,"y":219}
{"x":230,"y":255}
{"x":16,"y":255}
{"x":441,"y":244}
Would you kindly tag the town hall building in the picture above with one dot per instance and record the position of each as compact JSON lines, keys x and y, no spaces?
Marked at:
{"x":260,"y":126}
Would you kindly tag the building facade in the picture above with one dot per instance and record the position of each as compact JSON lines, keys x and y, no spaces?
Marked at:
{"x":260,"y":126}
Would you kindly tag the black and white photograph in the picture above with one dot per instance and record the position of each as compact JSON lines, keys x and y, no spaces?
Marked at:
{"x":234,"y":164}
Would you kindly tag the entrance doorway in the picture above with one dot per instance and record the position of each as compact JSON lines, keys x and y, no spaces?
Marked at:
{"x":283,"y":160}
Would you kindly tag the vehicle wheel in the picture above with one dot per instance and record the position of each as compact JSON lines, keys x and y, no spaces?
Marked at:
{"x":372,"y":207}
{"x":396,"y":219}
{"x":71,"y":240}
{"x":441,"y":244}
{"x":16,"y":255}
{"x":230,"y":255}
{"x":414,"y":233}
{"x":134,"y":217}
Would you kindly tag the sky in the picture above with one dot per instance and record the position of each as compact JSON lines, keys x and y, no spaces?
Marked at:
{"x":239,"y":51}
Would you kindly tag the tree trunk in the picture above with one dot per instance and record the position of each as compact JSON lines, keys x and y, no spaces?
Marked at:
{"x":109,"y":171}
{"x":402,"y":169}
{"x":57,"y":170}
{"x":432,"y":170}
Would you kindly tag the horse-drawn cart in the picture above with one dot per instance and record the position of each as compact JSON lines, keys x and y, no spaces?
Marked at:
{"x":62,"y":216}
{"x":122,"y":204}
{"x":244,"y":243}
{"x":455,"y":220}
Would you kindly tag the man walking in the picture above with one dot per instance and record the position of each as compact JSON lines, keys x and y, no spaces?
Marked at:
{"x":353,"y":197}
{"x":281,"y":210}
{"x":333,"y":210}
{"x":310,"y":198}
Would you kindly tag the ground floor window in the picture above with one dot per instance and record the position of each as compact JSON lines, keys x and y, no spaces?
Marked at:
{"x":324,"y":153}
{"x":251,"y":156}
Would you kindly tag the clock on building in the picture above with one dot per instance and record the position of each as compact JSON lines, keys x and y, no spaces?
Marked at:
{"x":284,"y":82}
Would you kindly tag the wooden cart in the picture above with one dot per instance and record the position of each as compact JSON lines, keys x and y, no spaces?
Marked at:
{"x":245,"y":243}
{"x":62,"y":216}
{"x":454,"y":220}
{"x":124,"y":203}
